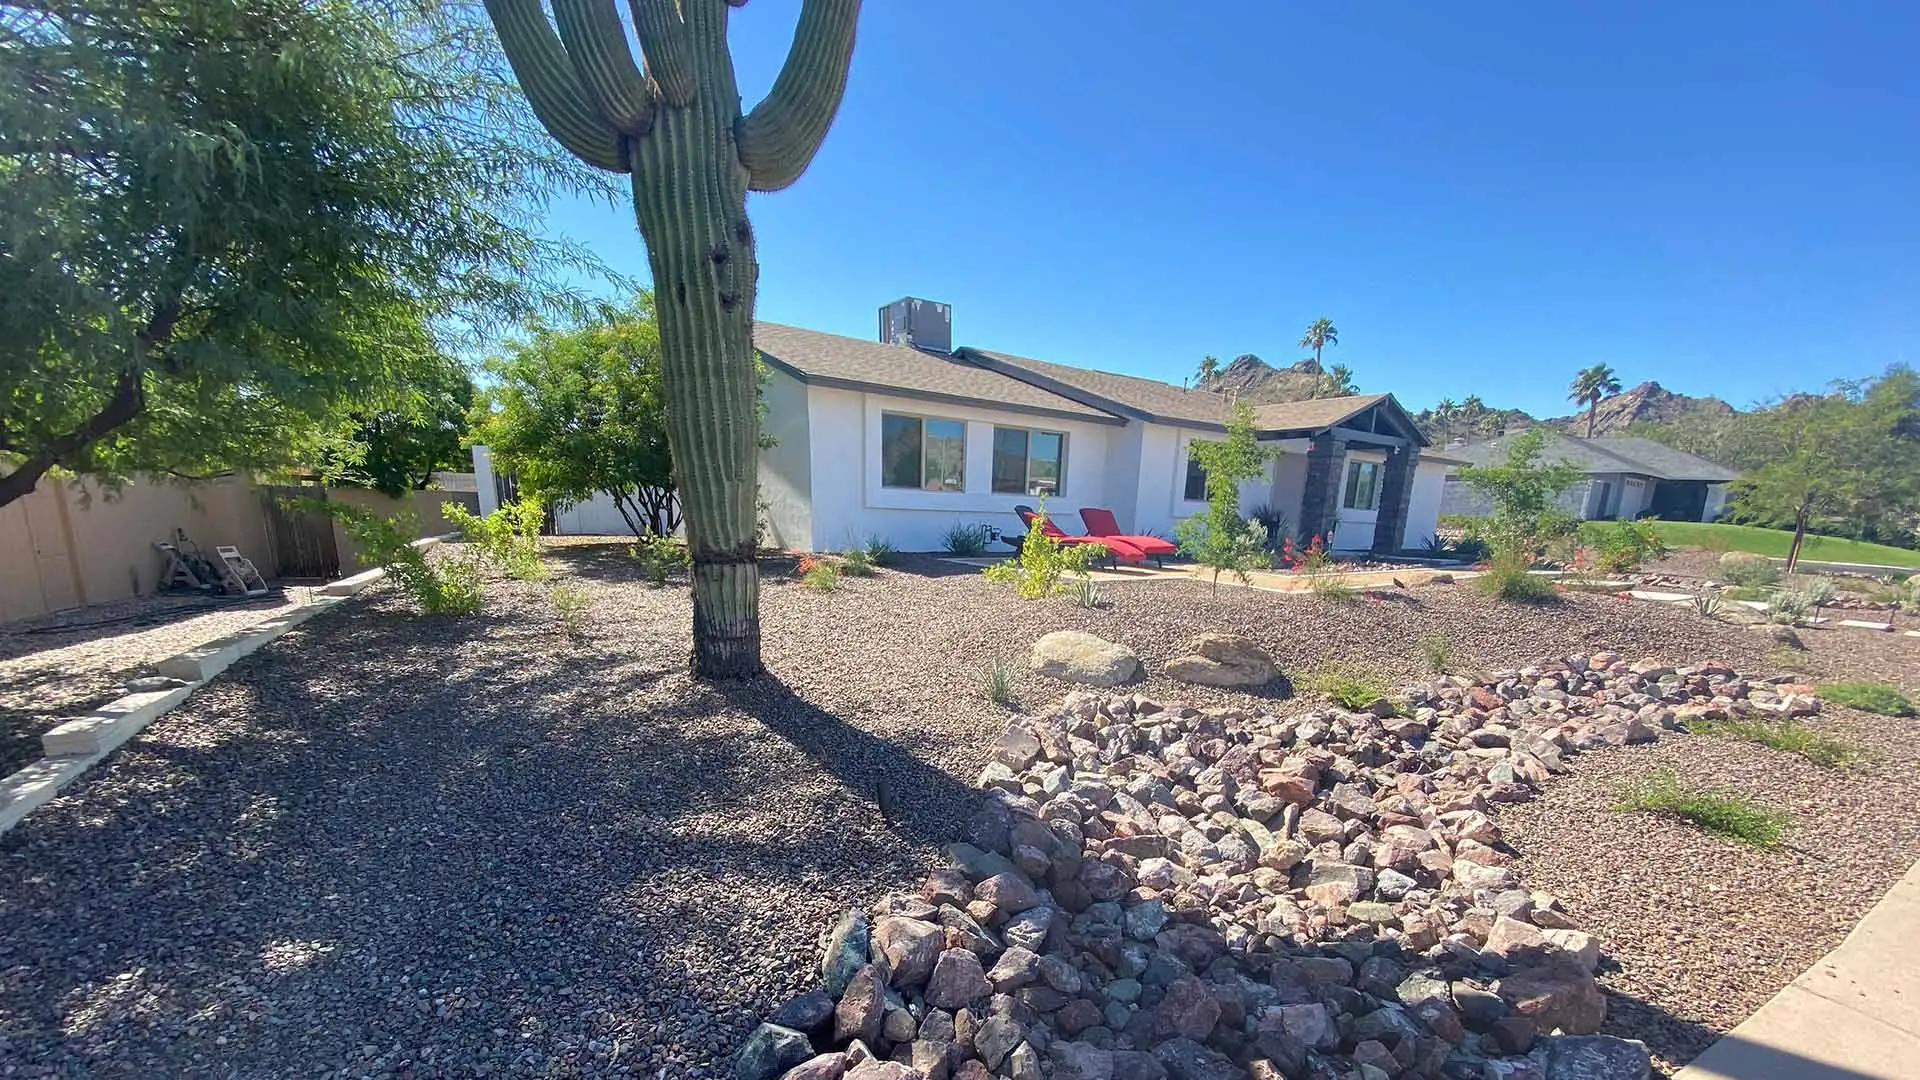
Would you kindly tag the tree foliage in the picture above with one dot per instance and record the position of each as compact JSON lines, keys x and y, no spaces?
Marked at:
{"x":1319,"y":334}
{"x":1525,"y":490}
{"x":398,"y":448}
{"x":1221,"y":538}
{"x":1590,"y":387}
{"x":224,"y":222}
{"x":577,"y":410}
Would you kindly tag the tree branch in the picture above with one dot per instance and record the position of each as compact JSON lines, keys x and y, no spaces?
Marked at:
{"x":597,"y":45}
{"x":552,"y":86}
{"x":778,"y":139}
{"x":663,"y":41}
{"x":128,"y":401}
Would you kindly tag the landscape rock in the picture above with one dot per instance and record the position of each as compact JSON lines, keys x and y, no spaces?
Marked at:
{"x":846,"y":952}
{"x":1224,"y":660}
{"x":861,"y":1007}
{"x":770,"y":1051}
{"x":1596,"y":1057}
{"x":956,"y":980}
{"x":1079,"y":657}
{"x":909,"y":948}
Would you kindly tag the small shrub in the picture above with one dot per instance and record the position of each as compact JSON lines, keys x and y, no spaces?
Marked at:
{"x":509,"y":537}
{"x":1628,"y":545}
{"x":1274,"y":520}
{"x":1874,"y":697}
{"x":963,"y":538}
{"x":1818,"y":592}
{"x":571,"y":604}
{"x":1509,"y":576}
{"x":445,"y":586}
{"x":1435,"y":546}
{"x":1786,"y":606}
{"x":660,"y":557}
{"x":1085,"y":592}
{"x":855,"y":562}
{"x":1707,"y":605}
{"x":1788,"y":735}
{"x":1722,"y":813}
{"x":1000,"y":684}
{"x":1436,"y":651}
{"x":821,"y":576}
{"x":879,"y":551}
{"x":1747,"y":568}
{"x":1351,"y":688}
{"x":1043,"y":563}
{"x":1328,"y":586}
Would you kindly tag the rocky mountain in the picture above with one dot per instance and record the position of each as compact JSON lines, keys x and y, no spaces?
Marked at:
{"x":1259,"y":383}
{"x":1648,"y":403}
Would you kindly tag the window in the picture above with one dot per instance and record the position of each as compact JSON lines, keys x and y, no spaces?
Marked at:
{"x":1363,"y":485}
{"x":1196,"y":490}
{"x":1028,"y":462}
{"x":923,"y":452}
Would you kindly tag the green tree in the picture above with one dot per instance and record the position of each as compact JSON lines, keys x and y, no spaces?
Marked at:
{"x":226,"y":223}
{"x":1852,"y":454}
{"x":1589,"y":387}
{"x":1337,"y":382}
{"x":1209,"y":367}
{"x":1320,"y":333}
{"x":693,"y":156}
{"x":1525,"y":490}
{"x":397,"y":448}
{"x":578,"y":410}
{"x":1221,"y":538}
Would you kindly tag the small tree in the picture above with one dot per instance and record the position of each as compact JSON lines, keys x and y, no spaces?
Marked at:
{"x":1221,"y":538}
{"x":397,"y":448}
{"x":1524,"y":492}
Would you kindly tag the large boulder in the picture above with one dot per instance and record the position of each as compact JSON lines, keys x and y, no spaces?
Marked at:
{"x":1220,"y":659}
{"x":1080,"y":657}
{"x":770,"y":1051}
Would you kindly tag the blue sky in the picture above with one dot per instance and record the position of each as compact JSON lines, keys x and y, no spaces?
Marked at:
{"x":1484,"y":197}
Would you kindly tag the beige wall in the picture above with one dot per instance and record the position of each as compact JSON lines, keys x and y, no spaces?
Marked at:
{"x":67,"y":545}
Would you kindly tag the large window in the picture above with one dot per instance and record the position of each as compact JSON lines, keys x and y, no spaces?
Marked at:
{"x":1196,"y":489}
{"x":923,"y":452}
{"x":1028,"y":462}
{"x":1363,"y":485}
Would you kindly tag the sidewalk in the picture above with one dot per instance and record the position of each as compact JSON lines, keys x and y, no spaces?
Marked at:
{"x":1855,"y":1015}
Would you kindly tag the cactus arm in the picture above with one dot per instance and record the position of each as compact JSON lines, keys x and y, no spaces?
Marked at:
{"x":663,"y":41}
{"x":547,"y":78}
{"x":777,"y":140}
{"x":597,"y":44}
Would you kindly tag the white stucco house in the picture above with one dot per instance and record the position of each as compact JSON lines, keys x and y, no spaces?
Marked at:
{"x":1623,"y":477}
{"x":903,"y":436}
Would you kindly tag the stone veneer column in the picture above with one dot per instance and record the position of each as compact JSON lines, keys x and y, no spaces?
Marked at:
{"x":1396,"y":492}
{"x":1320,"y":496}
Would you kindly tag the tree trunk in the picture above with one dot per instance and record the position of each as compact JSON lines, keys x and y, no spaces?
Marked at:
{"x":690,"y":196}
{"x":1799,"y":534}
{"x":1593,"y":412}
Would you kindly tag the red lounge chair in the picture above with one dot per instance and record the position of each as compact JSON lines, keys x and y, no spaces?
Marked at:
{"x":1101,"y":523}
{"x":1118,"y":551}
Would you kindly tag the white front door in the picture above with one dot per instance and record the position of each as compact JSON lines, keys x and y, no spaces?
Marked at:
{"x":1359,"y":506}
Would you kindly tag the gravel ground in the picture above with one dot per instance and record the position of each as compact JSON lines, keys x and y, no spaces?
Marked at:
{"x":387,"y":845}
{"x":56,"y":667}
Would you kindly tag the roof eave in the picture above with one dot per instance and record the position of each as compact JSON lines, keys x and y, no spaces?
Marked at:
{"x":834,"y":383}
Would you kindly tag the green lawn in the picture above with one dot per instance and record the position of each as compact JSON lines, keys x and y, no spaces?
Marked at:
{"x":1772,"y":542}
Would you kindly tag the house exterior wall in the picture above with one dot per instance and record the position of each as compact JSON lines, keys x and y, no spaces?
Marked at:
{"x":848,"y":501}
{"x":786,"y":467}
{"x":1457,"y":497}
{"x":1716,"y":502}
{"x":1423,"y":509}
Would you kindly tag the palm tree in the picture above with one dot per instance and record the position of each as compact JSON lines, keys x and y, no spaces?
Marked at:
{"x":1209,"y":366}
{"x":1589,"y":387}
{"x":1320,"y":333}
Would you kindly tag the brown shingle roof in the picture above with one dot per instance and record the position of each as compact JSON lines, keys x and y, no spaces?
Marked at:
{"x":1311,"y":415}
{"x":835,"y":360}
{"x":1128,"y":394}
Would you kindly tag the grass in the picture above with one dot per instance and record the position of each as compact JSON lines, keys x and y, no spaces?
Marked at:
{"x":1436,"y":651}
{"x":1775,"y":542}
{"x":1349,"y":687}
{"x":1509,"y":578}
{"x":1328,"y":586}
{"x":1874,"y":697}
{"x":1745,"y":592}
{"x":1000,"y":684}
{"x":1722,"y":813}
{"x":571,"y":604}
{"x":1788,"y":735}
{"x":822,"y":576}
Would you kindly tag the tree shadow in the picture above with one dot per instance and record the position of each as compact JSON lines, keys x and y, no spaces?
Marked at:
{"x":1676,"y":1039}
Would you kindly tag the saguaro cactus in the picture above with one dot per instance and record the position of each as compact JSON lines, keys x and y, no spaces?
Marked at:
{"x":678,"y":130}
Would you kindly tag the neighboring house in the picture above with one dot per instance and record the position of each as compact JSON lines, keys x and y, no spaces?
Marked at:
{"x":906,"y":436}
{"x":1625,"y":477}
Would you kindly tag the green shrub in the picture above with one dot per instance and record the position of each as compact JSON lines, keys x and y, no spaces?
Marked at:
{"x":1722,"y":813}
{"x":1350,"y":687}
{"x":1746,"y":568}
{"x":509,"y":537}
{"x":1274,"y":521}
{"x":1329,"y":586}
{"x":1746,"y":592}
{"x":447,"y":586}
{"x":659,"y":557}
{"x":966,"y":539}
{"x":1874,"y":697}
{"x":1220,"y":538}
{"x":571,"y":603}
{"x":855,"y":562}
{"x":1788,"y":735}
{"x":1043,"y":563}
{"x":879,"y":551}
{"x":1785,"y":606}
{"x":822,"y":576}
{"x":1000,"y":684}
{"x":1627,"y":546}
{"x":1509,"y":576}
{"x":1436,"y":651}
{"x":1818,"y":592}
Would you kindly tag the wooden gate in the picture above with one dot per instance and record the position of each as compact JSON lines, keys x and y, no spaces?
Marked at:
{"x":303,"y":544}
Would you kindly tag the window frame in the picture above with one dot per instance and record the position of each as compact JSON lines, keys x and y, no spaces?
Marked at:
{"x":1351,"y":482}
{"x":1026,"y":476}
{"x":923,"y":419}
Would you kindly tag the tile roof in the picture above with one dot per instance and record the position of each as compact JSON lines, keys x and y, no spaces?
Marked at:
{"x":1608,"y":454}
{"x":837,"y":360}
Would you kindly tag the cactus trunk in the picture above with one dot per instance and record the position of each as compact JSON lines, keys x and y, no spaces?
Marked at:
{"x":690,"y":198}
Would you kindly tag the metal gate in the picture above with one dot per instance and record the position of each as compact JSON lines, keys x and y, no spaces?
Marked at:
{"x":303,"y":544}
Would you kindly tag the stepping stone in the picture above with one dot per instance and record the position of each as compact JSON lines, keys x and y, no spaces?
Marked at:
{"x":1861,"y":624}
{"x":1661,"y":597}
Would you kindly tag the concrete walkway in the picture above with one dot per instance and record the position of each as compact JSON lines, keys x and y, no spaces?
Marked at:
{"x":1855,"y":1015}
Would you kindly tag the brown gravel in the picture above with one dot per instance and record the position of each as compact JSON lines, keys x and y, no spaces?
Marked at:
{"x":455,"y":847}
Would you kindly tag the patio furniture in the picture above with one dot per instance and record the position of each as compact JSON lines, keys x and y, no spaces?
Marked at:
{"x":1103,"y":524}
{"x":1118,"y":551}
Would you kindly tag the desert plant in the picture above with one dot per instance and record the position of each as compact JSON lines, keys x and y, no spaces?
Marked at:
{"x":1044,"y":564}
{"x":1436,"y":650}
{"x":660,"y":557}
{"x":447,"y":586}
{"x":1786,"y":606}
{"x":966,"y":538}
{"x":821,"y":576}
{"x":509,"y":537}
{"x":1785,"y":734}
{"x":1874,"y":697}
{"x":1085,"y":592}
{"x":1328,"y":585}
{"x":1722,"y":813}
{"x":1818,"y":593}
{"x":1524,"y":491}
{"x":1627,"y":545}
{"x":679,"y":131}
{"x":570,"y":602}
{"x":1509,"y":576}
{"x":855,"y":562}
{"x":1749,"y":569}
{"x":1272,"y":519}
{"x":1706,"y":605}
{"x":1000,"y":684}
{"x":1745,"y":592}
{"x":878,"y":550}
{"x":1348,"y":686}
